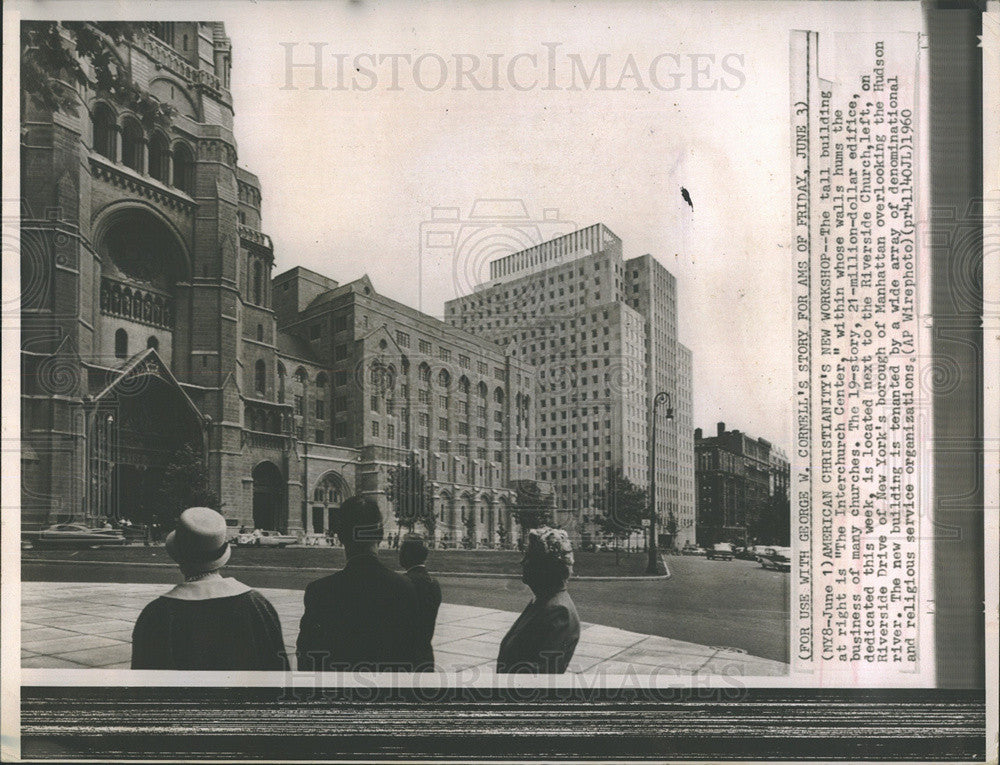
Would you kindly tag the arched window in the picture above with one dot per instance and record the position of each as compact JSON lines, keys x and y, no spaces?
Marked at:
{"x":498,"y":395}
{"x":183,"y":168}
{"x":463,"y":384}
{"x":258,"y":283}
{"x":105,"y":131}
{"x":444,"y":379}
{"x":132,"y":144}
{"x":482,"y":390}
{"x":260,"y":376}
{"x":159,"y":157}
{"x":153,"y":342}
{"x":281,"y":383}
{"x":425,"y":373}
{"x":121,"y":343}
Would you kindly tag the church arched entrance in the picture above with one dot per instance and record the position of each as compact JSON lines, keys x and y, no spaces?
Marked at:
{"x":145,"y":449}
{"x":329,"y":493}
{"x":269,"y":498}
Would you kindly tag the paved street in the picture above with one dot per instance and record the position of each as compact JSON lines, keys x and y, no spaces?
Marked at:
{"x":734,"y":604}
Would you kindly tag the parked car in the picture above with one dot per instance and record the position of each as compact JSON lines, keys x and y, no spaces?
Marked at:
{"x":693,"y":550}
{"x":720,"y":551}
{"x":261,"y":538}
{"x":76,"y":535}
{"x":777,"y":558}
{"x":745,"y":553}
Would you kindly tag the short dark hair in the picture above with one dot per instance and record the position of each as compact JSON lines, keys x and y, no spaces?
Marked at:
{"x":359,"y":521}
{"x":412,"y":550}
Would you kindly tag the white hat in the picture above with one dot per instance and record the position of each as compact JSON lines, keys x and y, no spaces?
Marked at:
{"x":200,"y":541}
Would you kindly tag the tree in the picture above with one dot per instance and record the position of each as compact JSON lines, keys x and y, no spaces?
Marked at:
{"x":502,"y":535}
{"x":411,"y":496}
{"x":531,"y":508}
{"x":60,"y":59}
{"x":624,"y":505}
{"x":670,"y":529}
{"x":183,"y":484}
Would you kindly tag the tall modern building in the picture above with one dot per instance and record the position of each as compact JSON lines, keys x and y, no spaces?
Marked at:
{"x":738,"y":479}
{"x":152,"y":332}
{"x":601,"y":331}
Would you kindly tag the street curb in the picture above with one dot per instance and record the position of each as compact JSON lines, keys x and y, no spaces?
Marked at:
{"x":479,"y":575}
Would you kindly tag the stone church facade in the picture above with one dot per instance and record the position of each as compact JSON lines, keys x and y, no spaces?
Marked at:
{"x":152,"y":325}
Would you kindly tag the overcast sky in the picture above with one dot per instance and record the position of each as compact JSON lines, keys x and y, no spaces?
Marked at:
{"x":349,"y":175}
{"x":350,"y":172}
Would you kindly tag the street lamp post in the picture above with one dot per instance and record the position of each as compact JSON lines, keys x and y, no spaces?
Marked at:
{"x":658,"y":399}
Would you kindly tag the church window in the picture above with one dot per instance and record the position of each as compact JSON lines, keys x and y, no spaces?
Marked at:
{"x":121,"y":344}
{"x":260,"y":376}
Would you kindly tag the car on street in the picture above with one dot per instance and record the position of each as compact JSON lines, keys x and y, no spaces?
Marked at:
{"x":693,"y":550}
{"x":720,"y":551}
{"x":76,"y":535}
{"x":262,"y":538}
{"x":776,"y":558}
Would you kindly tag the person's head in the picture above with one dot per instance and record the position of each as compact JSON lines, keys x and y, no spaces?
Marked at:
{"x":200,"y":541}
{"x":412,"y":551}
{"x":359,"y":524}
{"x":548,"y":559}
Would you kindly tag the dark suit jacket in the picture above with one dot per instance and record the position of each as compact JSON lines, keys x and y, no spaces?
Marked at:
{"x":543,"y":638}
{"x":364,"y":617}
{"x":429,"y":600}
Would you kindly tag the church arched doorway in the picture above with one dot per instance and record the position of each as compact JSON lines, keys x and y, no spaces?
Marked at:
{"x":329,"y":493}
{"x":269,"y":498}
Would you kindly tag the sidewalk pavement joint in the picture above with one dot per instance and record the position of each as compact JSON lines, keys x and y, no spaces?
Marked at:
{"x":79,"y":625}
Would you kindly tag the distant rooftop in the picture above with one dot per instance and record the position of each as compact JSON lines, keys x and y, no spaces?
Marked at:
{"x":576,"y":244}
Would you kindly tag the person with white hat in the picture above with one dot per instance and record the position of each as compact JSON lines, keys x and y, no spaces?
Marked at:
{"x":544,"y":637}
{"x":208,"y":622}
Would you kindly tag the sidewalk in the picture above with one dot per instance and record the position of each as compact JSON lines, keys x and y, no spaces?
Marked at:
{"x":77,"y":625}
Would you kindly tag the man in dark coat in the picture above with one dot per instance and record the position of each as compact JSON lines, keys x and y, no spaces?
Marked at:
{"x":413,"y":557}
{"x":365,"y":616}
{"x":544,"y":637}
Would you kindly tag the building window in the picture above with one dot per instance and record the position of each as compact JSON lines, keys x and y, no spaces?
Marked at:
{"x":402,"y":339}
{"x":105,"y":131}
{"x":260,"y":376}
{"x":314,"y":331}
{"x":320,"y":409}
{"x":463,"y":361}
{"x":374,"y":403}
{"x":260,"y":332}
{"x":425,"y":346}
{"x":183,"y":168}
{"x":132,"y":144}
{"x":159,"y":157}
{"x":153,"y":342}
{"x":340,"y":352}
{"x":390,"y":431}
{"x":443,"y":424}
{"x":374,"y":427}
{"x":319,"y":436}
{"x":121,"y":344}
{"x":300,"y":407}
